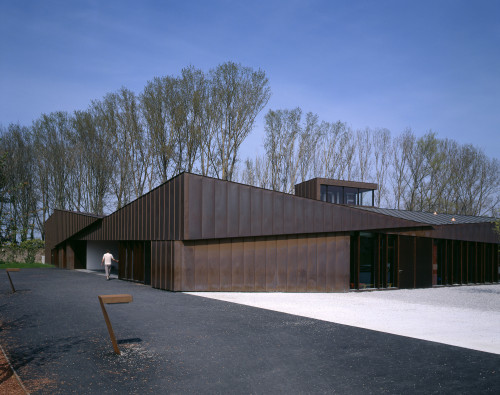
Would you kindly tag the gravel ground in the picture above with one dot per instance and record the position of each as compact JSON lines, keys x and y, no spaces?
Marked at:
{"x":467,"y":316}
{"x":53,"y":332}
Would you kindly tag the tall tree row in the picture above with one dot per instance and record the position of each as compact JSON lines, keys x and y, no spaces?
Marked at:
{"x":17,"y":194}
{"x":413,"y":173}
{"x":99,"y":159}
{"x":123,"y":145}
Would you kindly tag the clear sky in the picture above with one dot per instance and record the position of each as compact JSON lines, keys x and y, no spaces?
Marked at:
{"x":429,"y":65}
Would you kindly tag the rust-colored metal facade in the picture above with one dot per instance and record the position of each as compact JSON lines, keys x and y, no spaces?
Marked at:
{"x":196,"y":233}
{"x":157,"y":215}
{"x":61,"y":226}
{"x":221,"y":209}
{"x":293,"y":263}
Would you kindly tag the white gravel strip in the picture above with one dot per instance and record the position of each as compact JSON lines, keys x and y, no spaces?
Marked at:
{"x":466,"y":316}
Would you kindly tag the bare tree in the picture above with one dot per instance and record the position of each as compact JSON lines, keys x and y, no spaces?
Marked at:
{"x":310,"y":135}
{"x":237,"y":95}
{"x":133,"y":141}
{"x":281,"y":131}
{"x":4,"y":191}
{"x":402,"y":149}
{"x":155,"y":104}
{"x":105,"y":120}
{"x":330,"y":155}
{"x":52,"y":143}
{"x":18,"y":163}
{"x":382,"y":148}
{"x":364,"y":149}
{"x":476,"y":181}
{"x":190,"y":96}
{"x":347,"y":168}
{"x":95,"y":161}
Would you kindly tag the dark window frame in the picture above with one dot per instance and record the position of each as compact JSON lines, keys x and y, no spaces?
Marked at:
{"x":339,"y":195}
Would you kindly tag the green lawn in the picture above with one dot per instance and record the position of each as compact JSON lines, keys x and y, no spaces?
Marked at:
{"x":23,"y":265}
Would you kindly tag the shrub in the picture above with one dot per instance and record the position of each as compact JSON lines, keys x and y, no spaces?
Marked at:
{"x":31,"y":247}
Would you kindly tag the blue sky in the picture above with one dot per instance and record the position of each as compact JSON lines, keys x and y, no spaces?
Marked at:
{"x":428,"y":65}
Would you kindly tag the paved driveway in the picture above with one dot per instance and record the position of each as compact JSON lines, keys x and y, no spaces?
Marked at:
{"x":53,"y":331}
{"x":464,"y":316}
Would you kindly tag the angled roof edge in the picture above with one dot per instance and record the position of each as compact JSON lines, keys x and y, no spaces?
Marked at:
{"x":72,"y":217}
{"x":342,"y":183}
{"x":97,"y":216}
{"x":388,"y":222}
{"x":149,"y":192}
{"x":401,"y":218}
{"x":410,"y":222}
{"x":430,"y":218}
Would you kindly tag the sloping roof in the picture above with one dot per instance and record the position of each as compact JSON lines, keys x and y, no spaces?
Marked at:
{"x":194,"y":207}
{"x":429,"y":218}
{"x":63,"y":224}
{"x":81,"y":213}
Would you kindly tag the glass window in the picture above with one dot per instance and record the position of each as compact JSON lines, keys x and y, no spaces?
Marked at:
{"x":336,"y":194}
{"x":391,"y":261}
{"x":440,"y":261}
{"x":351,"y":196}
{"x":457,"y":275}
{"x":332,"y":194}
{"x":366,"y":197}
{"x":471,"y":263}
{"x":367,"y":256}
{"x":346,"y":195}
{"x":323,"y":192}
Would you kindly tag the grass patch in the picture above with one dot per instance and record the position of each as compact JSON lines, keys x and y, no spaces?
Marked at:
{"x":4,"y":265}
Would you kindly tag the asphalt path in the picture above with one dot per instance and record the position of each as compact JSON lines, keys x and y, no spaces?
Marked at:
{"x":463,"y":316}
{"x":54,"y":334}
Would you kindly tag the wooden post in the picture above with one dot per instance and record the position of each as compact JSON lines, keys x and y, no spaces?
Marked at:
{"x":112,"y":299}
{"x":8,"y":275}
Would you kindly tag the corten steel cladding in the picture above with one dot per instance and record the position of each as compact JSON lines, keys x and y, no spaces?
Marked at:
{"x":217,"y":209}
{"x":157,"y":215}
{"x":272,"y":264}
{"x":63,"y":224}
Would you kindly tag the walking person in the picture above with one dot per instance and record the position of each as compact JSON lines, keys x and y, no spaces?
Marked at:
{"x":106,"y":260}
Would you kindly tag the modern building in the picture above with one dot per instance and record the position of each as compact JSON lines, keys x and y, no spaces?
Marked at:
{"x":196,"y":233}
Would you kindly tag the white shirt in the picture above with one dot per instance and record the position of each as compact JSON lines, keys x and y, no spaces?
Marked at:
{"x":107,"y":258}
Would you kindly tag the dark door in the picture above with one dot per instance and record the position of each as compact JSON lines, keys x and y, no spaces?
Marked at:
{"x":424,"y":255}
{"x":80,"y":251}
{"x":54,"y":257}
{"x":135,"y":261}
{"x":147,"y":263}
{"x":138,"y":261}
{"x":122,"y":260}
{"x":406,"y":262}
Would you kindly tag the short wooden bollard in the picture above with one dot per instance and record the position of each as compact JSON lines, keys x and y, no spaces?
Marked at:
{"x":8,"y":275}
{"x":112,"y":299}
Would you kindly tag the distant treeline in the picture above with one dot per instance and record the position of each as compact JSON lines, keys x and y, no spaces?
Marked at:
{"x":125,"y":144}
{"x":413,"y":173}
